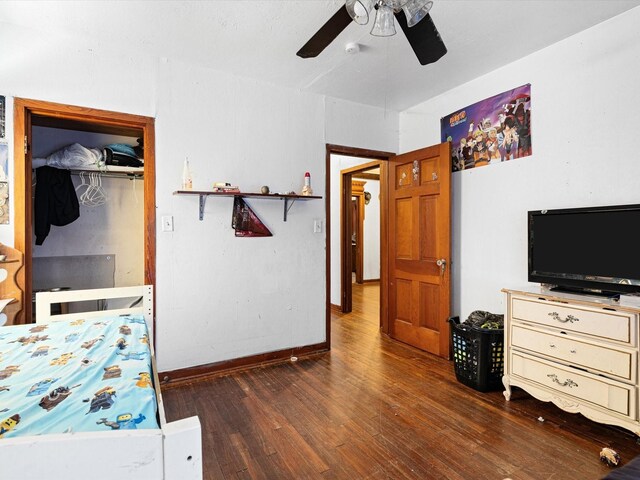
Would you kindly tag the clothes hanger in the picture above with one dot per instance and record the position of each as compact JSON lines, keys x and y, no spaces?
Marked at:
{"x":92,"y":194}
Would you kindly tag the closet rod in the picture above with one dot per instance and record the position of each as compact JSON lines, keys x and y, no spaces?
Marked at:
{"x":129,"y":175}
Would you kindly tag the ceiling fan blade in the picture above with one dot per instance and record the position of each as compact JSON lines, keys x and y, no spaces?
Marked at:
{"x":424,"y":39}
{"x":327,"y":33}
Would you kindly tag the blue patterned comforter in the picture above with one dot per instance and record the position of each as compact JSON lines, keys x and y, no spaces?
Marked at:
{"x":76,"y":376}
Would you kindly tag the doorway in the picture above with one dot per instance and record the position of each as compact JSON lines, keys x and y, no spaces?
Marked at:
{"x":34,"y":114}
{"x":339,"y":263}
{"x":361,"y":243}
{"x":415,"y":244}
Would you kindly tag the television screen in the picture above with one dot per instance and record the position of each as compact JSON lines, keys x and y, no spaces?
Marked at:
{"x":596,"y":248}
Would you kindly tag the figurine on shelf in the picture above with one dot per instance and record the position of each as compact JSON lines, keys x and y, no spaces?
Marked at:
{"x":306,"y":190}
{"x":187,"y":182}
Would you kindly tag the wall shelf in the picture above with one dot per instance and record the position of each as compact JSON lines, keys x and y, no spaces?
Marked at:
{"x":289,"y":199}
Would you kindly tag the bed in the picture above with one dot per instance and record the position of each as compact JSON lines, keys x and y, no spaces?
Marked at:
{"x":80,"y":396}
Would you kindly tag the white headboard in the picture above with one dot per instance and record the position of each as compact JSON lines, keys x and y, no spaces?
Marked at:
{"x":44,"y":300}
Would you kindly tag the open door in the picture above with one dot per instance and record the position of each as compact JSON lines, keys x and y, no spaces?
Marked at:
{"x":419,"y":250}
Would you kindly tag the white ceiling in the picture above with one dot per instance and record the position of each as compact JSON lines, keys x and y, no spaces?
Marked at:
{"x":259,"y":39}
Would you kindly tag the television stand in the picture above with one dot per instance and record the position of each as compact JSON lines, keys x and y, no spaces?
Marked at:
{"x":577,"y":352}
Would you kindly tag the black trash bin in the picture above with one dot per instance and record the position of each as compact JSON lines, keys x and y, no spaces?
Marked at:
{"x":478,"y":355}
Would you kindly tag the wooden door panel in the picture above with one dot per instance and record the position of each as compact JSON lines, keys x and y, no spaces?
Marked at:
{"x":419,"y":222}
{"x":429,"y":306}
{"x":408,"y":333}
{"x":428,"y":171}
{"x":403,"y":300}
{"x":404,"y":236}
{"x":428,"y":229}
{"x":403,"y":175}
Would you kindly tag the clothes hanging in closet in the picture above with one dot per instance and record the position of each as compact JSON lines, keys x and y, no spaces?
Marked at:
{"x":56,"y":202}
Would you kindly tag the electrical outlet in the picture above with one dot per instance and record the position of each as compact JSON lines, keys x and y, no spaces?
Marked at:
{"x":167,"y":223}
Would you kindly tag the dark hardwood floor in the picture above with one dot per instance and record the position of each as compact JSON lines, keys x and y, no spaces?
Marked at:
{"x":377,"y":409}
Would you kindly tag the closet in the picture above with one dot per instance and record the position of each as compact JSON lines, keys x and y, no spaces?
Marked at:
{"x":112,"y":243}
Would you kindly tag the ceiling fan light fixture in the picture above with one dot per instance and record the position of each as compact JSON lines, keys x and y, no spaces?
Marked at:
{"x":359,"y":10}
{"x":384,"y":26}
{"x":416,"y":10}
{"x":395,"y":4}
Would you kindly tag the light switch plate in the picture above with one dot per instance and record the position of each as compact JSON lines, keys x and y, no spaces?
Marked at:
{"x":167,"y":223}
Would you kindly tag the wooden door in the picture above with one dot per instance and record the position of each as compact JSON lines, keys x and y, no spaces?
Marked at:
{"x":419,"y":248}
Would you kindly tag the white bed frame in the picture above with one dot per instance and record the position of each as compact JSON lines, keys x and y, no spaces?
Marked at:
{"x":172,"y":452}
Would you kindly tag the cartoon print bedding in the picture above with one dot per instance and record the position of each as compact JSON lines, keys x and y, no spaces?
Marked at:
{"x":76,"y":376}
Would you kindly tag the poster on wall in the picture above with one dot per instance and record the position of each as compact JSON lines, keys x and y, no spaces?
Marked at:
{"x":2,"y":117}
{"x":494,"y":130}
{"x":4,"y":161}
{"x":4,"y":184}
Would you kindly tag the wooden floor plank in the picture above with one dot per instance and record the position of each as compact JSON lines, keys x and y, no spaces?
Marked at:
{"x":374,"y":408}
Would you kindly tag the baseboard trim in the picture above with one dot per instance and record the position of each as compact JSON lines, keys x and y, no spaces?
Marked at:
{"x":182,"y":376}
{"x":371,"y":280}
{"x":336,"y":308}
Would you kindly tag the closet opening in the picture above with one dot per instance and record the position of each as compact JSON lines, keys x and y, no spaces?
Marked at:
{"x":112,"y":241}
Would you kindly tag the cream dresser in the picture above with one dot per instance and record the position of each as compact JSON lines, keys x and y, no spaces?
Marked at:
{"x":579,"y":352}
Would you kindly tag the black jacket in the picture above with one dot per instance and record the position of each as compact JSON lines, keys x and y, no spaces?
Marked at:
{"x":56,"y":202}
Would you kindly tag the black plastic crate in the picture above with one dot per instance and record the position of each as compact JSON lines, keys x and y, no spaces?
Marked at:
{"x":478,"y":355}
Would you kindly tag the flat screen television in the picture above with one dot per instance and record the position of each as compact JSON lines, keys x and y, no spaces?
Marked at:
{"x":591,"y":250}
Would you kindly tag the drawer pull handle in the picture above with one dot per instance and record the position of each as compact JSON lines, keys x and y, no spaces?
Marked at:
{"x":572,"y":351}
{"x":570,"y":318}
{"x":567,"y":383}
{"x":551,"y":345}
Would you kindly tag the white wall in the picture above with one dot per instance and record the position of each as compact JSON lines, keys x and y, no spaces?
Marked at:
{"x":585,"y":99}
{"x":362,"y":126}
{"x":371,"y":254}
{"x":218,"y":297}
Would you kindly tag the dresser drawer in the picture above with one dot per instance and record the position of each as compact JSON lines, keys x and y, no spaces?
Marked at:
{"x":570,"y":383}
{"x":590,"y":321}
{"x":598,"y":359}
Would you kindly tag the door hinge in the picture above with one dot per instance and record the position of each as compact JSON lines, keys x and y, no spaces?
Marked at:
{"x":26,"y":145}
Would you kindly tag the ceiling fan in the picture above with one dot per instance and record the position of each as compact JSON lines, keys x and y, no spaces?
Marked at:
{"x":412,"y":15}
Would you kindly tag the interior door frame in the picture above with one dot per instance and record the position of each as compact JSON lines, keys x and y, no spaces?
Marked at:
{"x":383,"y":158}
{"x":88,"y":119}
{"x":346,"y":223}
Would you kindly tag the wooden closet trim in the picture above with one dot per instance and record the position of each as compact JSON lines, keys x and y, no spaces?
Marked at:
{"x":38,"y":112}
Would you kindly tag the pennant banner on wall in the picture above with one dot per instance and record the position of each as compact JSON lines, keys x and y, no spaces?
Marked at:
{"x":494,"y":130}
{"x":245,"y":222}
